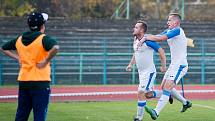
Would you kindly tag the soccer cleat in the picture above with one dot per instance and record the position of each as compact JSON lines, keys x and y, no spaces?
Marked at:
{"x":151,"y":112}
{"x":185,"y":107}
{"x":137,"y":119}
{"x":170,"y":99}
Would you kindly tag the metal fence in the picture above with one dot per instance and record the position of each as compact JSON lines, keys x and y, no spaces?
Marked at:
{"x":109,"y":68}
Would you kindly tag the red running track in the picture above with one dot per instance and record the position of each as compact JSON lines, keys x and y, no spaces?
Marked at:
{"x":108,"y":93}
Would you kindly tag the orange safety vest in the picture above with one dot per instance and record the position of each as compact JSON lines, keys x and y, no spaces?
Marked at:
{"x":29,"y":56}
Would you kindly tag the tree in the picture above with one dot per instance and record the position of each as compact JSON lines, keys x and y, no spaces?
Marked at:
{"x":15,"y":7}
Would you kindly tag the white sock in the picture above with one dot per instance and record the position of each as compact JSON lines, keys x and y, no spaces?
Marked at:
{"x":140,"y":109}
{"x":178,"y":96}
{"x":162,"y":101}
{"x":157,"y":93}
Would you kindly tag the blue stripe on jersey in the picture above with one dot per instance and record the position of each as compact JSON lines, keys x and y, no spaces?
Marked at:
{"x":149,"y":82}
{"x":173,"y":32}
{"x":153,"y":45}
{"x":179,"y":71}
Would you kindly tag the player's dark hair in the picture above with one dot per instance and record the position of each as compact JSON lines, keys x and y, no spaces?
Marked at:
{"x":144,"y":24}
{"x":175,"y":13}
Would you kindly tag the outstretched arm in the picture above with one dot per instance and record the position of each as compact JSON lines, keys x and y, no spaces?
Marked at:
{"x":157,"y":38}
{"x":167,"y":34}
{"x":128,"y":68}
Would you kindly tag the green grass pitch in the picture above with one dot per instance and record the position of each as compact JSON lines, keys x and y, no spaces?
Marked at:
{"x":115,"y":111}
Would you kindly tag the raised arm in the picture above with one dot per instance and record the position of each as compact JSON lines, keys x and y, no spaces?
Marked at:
{"x":157,"y":38}
{"x":167,"y":34}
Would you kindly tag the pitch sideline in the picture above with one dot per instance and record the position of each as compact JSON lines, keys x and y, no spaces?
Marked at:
{"x":102,"y":93}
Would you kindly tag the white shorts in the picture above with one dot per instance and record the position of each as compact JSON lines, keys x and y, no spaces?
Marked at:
{"x":175,"y":73}
{"x":146,"y":81}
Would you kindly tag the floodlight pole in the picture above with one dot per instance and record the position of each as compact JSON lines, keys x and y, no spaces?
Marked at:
{"x":128,"y":10}
{"x":182,"y":9}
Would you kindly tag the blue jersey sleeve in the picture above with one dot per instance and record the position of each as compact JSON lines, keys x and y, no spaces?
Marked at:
{"x":153,"y":45}
{"x":164,"y":32}
{"x":172,"y":33}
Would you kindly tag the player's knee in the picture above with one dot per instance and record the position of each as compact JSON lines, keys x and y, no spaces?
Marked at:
{"x":169,"y":85}
{"x":141,"y":95}
{"x":149,"y":95}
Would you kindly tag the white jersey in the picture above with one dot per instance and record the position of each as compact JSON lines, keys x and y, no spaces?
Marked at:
{"x":177,"y":42}
{"x":144,"y":55}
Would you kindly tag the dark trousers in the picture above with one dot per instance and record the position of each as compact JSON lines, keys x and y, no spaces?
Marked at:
{"x":37,"y":100}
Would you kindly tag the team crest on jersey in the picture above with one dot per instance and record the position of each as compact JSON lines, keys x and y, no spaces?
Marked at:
{"x":143,"y":86}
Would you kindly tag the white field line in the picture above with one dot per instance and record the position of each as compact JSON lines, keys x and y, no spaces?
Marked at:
{"x":102,"y":93}
{"x":204,"y":106}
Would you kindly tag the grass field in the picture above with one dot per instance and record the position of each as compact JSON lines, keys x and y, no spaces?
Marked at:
{"x":115,"y":111}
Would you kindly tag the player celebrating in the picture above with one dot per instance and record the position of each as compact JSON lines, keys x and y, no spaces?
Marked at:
{"x":143,"y":57}
{"x":178,"y":67}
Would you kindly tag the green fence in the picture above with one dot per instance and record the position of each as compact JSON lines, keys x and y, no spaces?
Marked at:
{"x":109,"y":68}
{"x":201,"y":64}
{"x":203,"y":58}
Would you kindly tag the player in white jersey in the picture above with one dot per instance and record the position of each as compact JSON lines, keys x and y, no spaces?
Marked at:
{"x":178,"y":67}
{"x":143,"y":58}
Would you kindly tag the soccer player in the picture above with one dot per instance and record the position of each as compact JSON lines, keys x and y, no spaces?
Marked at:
{"x":143,"y":58}
{"x":178,"y":67}
{"x":34,"y":52}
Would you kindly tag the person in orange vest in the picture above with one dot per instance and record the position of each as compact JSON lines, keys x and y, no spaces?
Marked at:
{"x":34,"y":52}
